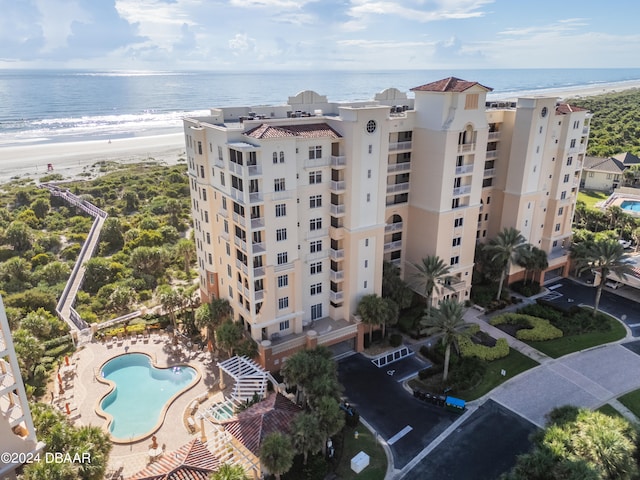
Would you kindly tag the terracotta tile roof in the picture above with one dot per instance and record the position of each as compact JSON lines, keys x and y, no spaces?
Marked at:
{"x":192,"y":461}
{"x":612,"y":165}
{"x":451,"y":84}
{"x":312,"y":130}
{"x":252,"y":425}
{"x":565,"y":108}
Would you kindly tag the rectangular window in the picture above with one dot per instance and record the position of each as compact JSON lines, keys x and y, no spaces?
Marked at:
{"x":315,"y":246}
{"x":281,"y":234}
{"x":281,"y":209}
{"x":557,"y":227}
{"x":455,"y":260}
{"x":457,"y":241}
{"x":560,"y":210}
{"x":229,"y":271}
{"x":609,"y":176}
{"x":283,"y":281}
{"x":455,"y":203}
{"x":366,"y":264}
{"x":283,"y":303}
{"x":204,"y":194}
{"x":315,"y":177}
{"x":563,"y":195}
{"x":200,"y":148}
{"x":284,"y":325}
{"x":206,"y":217}
{"x":315,"y":201}
{"x":275,"y":157}
{"x":573,"y":143}
{"x":316,"y":288}
{"x":222,"y":182}
{"x":315,"y":224}
{"x":283,"y":258}
{"x":278,"y":185}
{"x":210,"y":260}
{"x":316,"y":311}
{"x":315,"y":268}
{"x":471,"y":101}
{"x":566,"y":178}
{"x":202,"y":171}
{"x":368,"y":197}
{"x":208,"y":238}
{"x":315,"y":152}
{"x":569,"y":161}
{"x":220,"y":157}
{"x":457,"y":222}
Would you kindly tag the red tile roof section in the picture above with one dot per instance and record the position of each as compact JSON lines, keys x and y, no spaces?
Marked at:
{"x":565,"y":108}
{"x":252,"y":425}
{"x":312,"y":130}
{"x":192,"y":461}
{"x":451,"y":84}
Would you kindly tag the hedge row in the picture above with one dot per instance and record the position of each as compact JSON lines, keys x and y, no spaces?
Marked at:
{"x":470,"y":349}
{"x":54,"y":342}
{"x":538,"y":329}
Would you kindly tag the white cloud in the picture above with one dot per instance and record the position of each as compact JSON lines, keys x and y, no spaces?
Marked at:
{"x":56,"y":19}
{"x":560,"y":26}
{"x":278,"y":4}
{"x":241,"y":43}
{"x":420,"y":11}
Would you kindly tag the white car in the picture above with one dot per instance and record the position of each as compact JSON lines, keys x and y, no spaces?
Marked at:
{"x":625,"y":243}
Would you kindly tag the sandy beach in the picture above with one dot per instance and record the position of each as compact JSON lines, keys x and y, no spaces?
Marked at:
{"x":76,"y":158}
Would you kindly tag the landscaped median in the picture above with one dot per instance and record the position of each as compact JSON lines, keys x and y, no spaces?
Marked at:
{"x":556,"y":333}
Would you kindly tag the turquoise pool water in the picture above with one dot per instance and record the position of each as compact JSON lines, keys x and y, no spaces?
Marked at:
{"x":631,"y":205}
{"x":141,"y":393}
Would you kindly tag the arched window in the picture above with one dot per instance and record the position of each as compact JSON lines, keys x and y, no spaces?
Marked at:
{"x":275,"y":157}
{"x":281,"y":157}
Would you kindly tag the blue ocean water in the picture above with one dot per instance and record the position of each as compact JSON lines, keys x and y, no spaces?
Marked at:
{"x":53,"y":106}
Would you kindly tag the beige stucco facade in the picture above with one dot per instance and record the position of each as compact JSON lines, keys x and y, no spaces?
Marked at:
{"x":297,"y":206}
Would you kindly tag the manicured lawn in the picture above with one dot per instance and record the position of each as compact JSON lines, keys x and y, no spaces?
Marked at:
{"x":591,"y":197}
{"x":632,"y":401}
{"x":366,"y":443}
{"x":573,"y":343}
{"x":513,"y":364}
{"x":607,"y":409}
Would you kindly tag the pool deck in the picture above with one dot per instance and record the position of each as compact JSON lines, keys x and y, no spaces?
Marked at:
{"x":83,"y":392}
{"x":618,"y":197}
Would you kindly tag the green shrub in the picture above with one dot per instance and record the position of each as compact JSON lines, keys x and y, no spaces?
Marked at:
{"x":542,"y":311}
{"x":54,"y":342}
{"x":467,"y":374}
{"x":470,"y":349}
{"x":534,"y":329}
{"x":395,"y":340}
{"x":528,"y":289}
{"x":59,"y":350}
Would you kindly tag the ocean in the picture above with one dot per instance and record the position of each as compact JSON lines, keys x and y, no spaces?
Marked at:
{"x":62,"y":106}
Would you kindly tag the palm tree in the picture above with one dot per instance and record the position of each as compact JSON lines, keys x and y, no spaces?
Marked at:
{"x":229,"y":472}
{"x":306,"y":435}
{"x":447,"y":321}
{"x":211,"y":316}
{"x":186,"y":249}
{"x":606,"y":257}
{"x":371,"y":309}
{"x":433,"y":274}
{"x":504,"y":250}
{"x":276,"y":453}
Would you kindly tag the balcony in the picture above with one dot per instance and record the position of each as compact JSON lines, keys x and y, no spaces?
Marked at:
{"x":242,"y":267}
{"x":337,"y":209}
{"x":396,"y":146}
{"x":489,"y":172}
{"x":223,"y":212}
{"x":283,"y":266}
{"x":282,"y":195}
{"x":456,"y":286}
{"x":466,"y":147}
{"x":259,"y":295}
{"x":317,"y":233}
{"x":493,"y":136}
{"x":464,"y":190}
{"x":462,"y":169}
{"x":219,"y":162}
{"x":237,"y":194}
{"x":235,"y":168}
{"x":224,"y":236}
{"x":258,"y":248}
{"x":239,"y":219}
{"x":255,"y":197}
{"x":336,"y":276}
{"x":399,"y":167}
{"x":396,"y":261}
{"x":240,"y":243}
{"x":315,"y":256}
{"x":336,"y":296}
{"x":394,"y":201}
{"x":257,"y":222}
{"x":258,"y":272}
{"x":338,"y":160}
{"x":336,"y":254}
{"x":585,"y":130}
{"x":397,"y":245}
{"x":242,"y":289}
{"x":398,"y":188}
{"x":338,"y":187}
{"x":317,"y":162}
{"x":255,"y":170}
{"x":393,"y":227}
{"x":492,"y":154}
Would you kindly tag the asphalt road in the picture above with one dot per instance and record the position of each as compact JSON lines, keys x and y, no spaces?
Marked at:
{"x":379,"y":397}
{"x":611,"y":303}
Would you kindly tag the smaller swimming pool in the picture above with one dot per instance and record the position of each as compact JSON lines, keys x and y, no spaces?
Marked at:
{"x":631,"y":205}
{"x":138,"y":402}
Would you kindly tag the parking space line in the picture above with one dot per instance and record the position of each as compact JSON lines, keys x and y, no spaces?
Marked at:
{"x":553,"y":287}
{"x":399,"y":435}
{"x":633,"y":325}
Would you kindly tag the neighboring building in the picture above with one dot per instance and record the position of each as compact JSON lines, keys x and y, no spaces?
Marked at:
{"x":192,"y":461}
{"x":607,"y":174}
{"x":17,"y":433}
{"x":296,"y":206}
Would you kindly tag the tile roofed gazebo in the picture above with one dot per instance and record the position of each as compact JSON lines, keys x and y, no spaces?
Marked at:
{"x":451,"y":84}
{"x":311,"y":130}
{"x":192,"y":461}
{"x":564,"y":108}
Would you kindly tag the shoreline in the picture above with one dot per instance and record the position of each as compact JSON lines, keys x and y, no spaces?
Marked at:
{"x":74,"y":159}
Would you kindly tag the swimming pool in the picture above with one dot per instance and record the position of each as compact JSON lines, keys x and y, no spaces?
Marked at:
{"x":141,"y":394}
{"x":631,"y":205}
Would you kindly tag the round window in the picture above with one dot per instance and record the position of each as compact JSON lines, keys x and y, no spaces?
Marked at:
{"x":544,"y":111}
{"x":371,"y":126}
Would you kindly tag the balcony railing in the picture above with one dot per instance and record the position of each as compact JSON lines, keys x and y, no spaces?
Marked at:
{"x":466,"y":147}
{"x":239,"y":219}
{"x":219,"y":162}
{"x":255,"y":170}
{"x":240,"y":243}
{"x":235,"y":168}
{"x":242,"y":267}
{"x":489,"y":172}
{"x":338,"y":186}
{"x":336,"y":296}
{"x":338,"y":160}
{"x":224,"y":235}
{"x":336,"y":254}
{"x":312,"y":257}
{"x":462,"y":169}
{"x":336,"y":276}
{"x":317,"y":233}
{"x":396,"y":261}
{"x":337,"y":209}
{"x":398,"y":188}
{"x":282,"y":195}
{"x":397,"y":245}
{"x":349,"y":330}
{"x":237,"y":194}
{"x":399,"y":167}
{"x":456,"y":286}
{"x":255,"y":197}
{"x":283,"y":266}
{"x":395,"y":146}
{"x":492,"y":154}
{"x":493,"y":136}
{"x":258,"y":272}
{"x":461,"y":190}
{"x":317,"y":162}
{"x":393,"y":227}
{"x":258,"y":248}
{"x":257,"y":222}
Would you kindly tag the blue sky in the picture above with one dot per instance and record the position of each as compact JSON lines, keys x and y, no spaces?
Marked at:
{"x":313,"y":34}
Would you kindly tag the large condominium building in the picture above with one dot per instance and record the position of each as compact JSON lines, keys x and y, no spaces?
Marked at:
{"x":297,"y":206}
{"x":17,"y":434}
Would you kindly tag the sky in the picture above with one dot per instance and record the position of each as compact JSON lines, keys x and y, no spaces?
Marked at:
{"x":254,"y":35}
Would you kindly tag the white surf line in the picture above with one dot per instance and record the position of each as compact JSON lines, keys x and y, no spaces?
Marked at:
{"x":399,"y":435}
